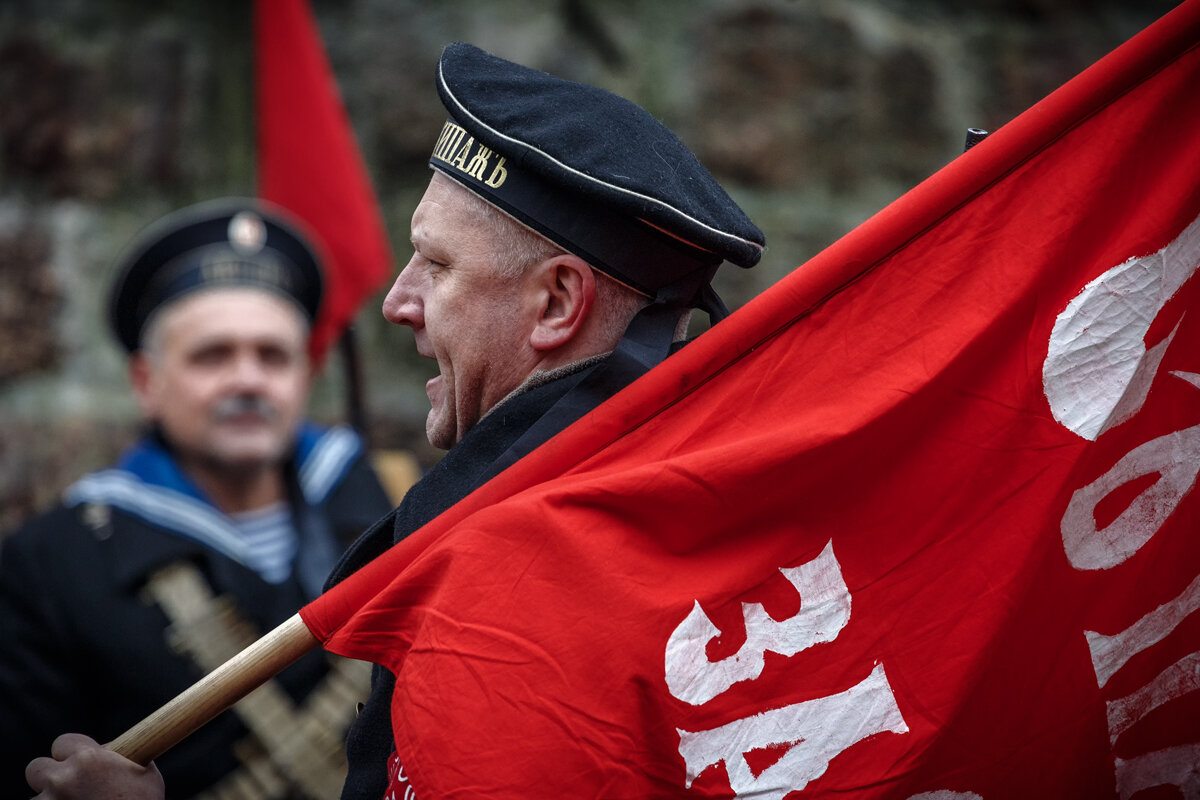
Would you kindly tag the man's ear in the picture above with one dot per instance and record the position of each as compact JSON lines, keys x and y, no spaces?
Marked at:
{"x":141,"y":380}
{"x":564,"y":288}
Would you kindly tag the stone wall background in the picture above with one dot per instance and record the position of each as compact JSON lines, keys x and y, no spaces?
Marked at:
{"x":813,"y":113}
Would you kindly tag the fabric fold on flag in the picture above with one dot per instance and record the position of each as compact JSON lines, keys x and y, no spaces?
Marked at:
{"x":918,"y":522}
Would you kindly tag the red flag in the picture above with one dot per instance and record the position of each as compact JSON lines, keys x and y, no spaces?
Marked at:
{"x":918,"y":522}
{"x":309,"y":163}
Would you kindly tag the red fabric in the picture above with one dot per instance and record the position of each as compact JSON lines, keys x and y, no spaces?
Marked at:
{"x":899,"y":543}
{"x":309,"y":163}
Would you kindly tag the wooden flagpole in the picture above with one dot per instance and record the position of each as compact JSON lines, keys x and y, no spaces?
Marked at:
{"x":215,"y":692}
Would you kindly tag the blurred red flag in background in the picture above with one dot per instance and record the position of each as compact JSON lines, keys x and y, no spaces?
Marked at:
{"x":309,"y":162}
{"x":918,"y":522}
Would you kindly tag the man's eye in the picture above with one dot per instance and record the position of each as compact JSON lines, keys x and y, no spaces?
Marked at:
{"x":208,"y":357}
{"x":275,"y":357}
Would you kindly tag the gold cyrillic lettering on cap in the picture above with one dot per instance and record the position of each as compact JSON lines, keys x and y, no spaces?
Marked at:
{"x":448,"y":141}
{"x":478,"y":163}
{"x":273,"y":274}
{"x":460,"y":159}
{"x":447,"y":131}
{"x":216,"y":271}
{"x":263,"y":270}
{"x":498,"y":174}
{"x":453,"y":150}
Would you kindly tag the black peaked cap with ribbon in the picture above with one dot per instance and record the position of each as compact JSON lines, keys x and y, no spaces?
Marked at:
{"x":586,"y":168}
{"x":605,"y":180}
{"x":237,"y":242}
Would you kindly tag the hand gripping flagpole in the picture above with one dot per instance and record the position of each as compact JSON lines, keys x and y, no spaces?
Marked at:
{"x":217,"y":691}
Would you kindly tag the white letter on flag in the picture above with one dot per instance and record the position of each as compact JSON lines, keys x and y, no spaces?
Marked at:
{"x":809,"y":734}
{"x":691,"y":677}
{"x":815,"y":731}
{"x":1098,"y":370}
{"x":1175,"y":458}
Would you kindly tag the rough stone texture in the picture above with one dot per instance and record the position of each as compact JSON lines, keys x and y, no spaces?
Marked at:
{"x":29,"y":294}
{"x":814,"y":113}
{"x":64,"y":448}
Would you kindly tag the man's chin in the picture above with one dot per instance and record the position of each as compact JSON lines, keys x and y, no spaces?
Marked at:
{"x":438,"y":431}
{"x":245,"y":456}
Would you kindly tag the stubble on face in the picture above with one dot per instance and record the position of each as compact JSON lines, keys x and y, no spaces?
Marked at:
{"x":465,"y":311}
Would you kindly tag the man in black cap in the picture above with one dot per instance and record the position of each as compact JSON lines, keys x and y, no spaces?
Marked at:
{"x":215,"y":527}
{"x":562,"y":242}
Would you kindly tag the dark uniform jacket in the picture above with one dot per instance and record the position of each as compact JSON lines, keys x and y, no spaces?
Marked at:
{"x":83,"y":649}
{"x":493,"y":444}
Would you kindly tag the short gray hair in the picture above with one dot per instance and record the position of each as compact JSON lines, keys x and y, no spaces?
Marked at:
{"x":517,"y":247}
{"x":514,"y":246}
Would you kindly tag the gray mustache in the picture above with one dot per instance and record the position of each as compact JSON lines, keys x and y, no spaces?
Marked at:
{"x":244,"y":404}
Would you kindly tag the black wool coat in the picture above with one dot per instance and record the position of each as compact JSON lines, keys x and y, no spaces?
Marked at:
{"x":81,"y":650}
{"x":482,"y":453}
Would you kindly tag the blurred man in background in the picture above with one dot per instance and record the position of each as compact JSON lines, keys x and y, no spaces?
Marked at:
{"x":212,"y":529}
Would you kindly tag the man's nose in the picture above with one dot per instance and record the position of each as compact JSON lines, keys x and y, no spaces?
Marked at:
{"x":249,"y":371}
{"x":403,"y":305}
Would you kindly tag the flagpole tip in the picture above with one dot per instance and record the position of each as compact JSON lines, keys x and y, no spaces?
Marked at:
{"x":974,"y":137}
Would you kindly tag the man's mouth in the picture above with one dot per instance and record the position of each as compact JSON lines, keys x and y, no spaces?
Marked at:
{"x":433,"y":386}
{"x":433,"y":389}
{"x":247,"y":418}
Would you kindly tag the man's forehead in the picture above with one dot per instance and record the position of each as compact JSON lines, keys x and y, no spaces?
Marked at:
{"x":445,"y":209}
{"x":442,"y":197}
{"x":234,"y":311}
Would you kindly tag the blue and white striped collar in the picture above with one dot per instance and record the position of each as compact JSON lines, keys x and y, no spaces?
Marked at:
{"x":148,"y":484}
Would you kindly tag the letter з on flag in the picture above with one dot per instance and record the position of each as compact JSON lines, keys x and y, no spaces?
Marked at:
{"x":309,"y":162}
{"x":918,"y":522}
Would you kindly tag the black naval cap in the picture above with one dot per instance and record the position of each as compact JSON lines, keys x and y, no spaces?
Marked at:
{"x":590,"y":171}
{"x":234,"y":242}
